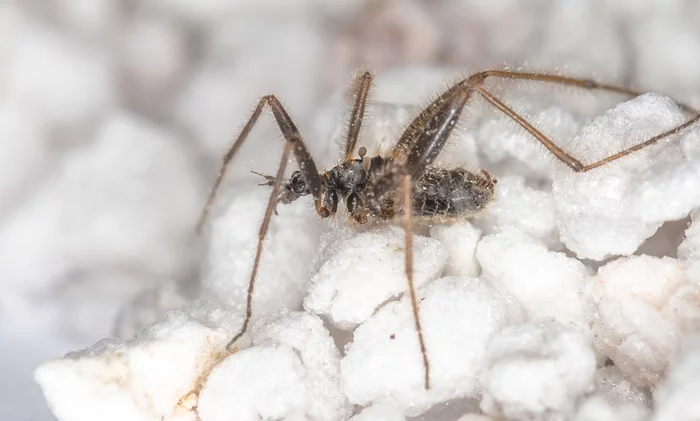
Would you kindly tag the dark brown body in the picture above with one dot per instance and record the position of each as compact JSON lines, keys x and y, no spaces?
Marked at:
{"x":439,"y":192}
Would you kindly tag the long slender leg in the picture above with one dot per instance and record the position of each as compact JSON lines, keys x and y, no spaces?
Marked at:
{"x":564,"y":157}
{"x":412,"y":132}
{"x":567,"y":80}
{"x":644,"y":144}
{"x":272,"y":202}
{"x":291,"y":135}
{"x":408,"y":229}
{"x":358,"y":113}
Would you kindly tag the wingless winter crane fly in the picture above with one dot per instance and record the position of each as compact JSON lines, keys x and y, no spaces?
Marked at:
{"x":405,"y":181}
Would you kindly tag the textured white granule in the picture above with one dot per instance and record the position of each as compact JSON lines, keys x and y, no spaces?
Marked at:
{"x":458,"y":315}
{"x":520,"y":205}
{"x":363,"y":271}
{"x":290,"y":373}
{"x":285,"y":264}
{"x":689,"y":249}
{"x":618,"y":390}
{"x":644,"y":306}
{"x":546,"y":283}
{"x":613,"y":209}
{"x":597,"y":408}
{"x":536,"y":371}
{"x":155,"y":376}
{"x":459,"y":240}
{"x":677,"y":399}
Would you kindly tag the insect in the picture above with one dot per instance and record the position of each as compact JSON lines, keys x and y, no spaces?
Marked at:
{"x":404,"y":182}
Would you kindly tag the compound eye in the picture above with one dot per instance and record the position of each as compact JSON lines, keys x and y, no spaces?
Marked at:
{"x":299,"y":187}
{"x":297,"y":184}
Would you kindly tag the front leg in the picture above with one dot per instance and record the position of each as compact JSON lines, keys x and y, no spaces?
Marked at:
{"x":294,"y":144}
{"x":291,"y":134}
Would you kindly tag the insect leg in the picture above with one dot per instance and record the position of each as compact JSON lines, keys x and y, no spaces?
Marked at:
{"x":291,"y":135}
{"x":272,"y":202}
{"x":358,"y":113}
{"x":563,"y":156}
{"x":408,"y":229}
{"x":567,"y":80}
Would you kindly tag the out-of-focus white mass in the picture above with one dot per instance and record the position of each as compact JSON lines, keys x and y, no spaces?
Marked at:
{"x":131,"y":195}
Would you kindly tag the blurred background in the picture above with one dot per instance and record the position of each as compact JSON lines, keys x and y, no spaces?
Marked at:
{"x":114,"y":115}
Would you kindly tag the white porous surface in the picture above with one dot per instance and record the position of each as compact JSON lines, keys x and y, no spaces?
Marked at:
{"x":290,"y":372}
{"x":689,"y":249}
{"x":368,"y":269}
{"x":597,"y":408}
{"x":155,"y":376}
{"x":114,"y":118}
{"x":612,"y":385}
{"x":676,"y":398}
{"x":460,"y":239}
{"x":612,"y":210}
{"x":536,"y":371}
{"x":459,"y":317}
{"x":522,"y":206}
{"x":283,"y":277}
{"x":546,"y":283}
{"x":644,"y":306}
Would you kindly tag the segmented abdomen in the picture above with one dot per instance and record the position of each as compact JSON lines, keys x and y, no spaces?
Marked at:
{"x":451,"y":193}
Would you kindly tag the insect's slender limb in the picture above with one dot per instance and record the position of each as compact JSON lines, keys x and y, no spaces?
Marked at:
{"x":271,"y":204}
{"x":570,"y":81}
{"x":358,"y":113}
{"x":563,"y":156}
{"x":644,"y":144}
{"x":477,"y":80}
{"x":408,"y":229}
{"x":561,"y":80}
{"x":291,"y":135}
